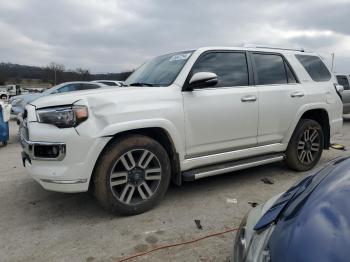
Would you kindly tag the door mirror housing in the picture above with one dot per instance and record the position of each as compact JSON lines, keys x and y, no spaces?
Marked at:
{"x":203,"y":79}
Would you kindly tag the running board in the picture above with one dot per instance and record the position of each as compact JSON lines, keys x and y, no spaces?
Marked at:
{"x":226,"y":167}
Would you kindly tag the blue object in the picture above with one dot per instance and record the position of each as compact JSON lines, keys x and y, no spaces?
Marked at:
{"x":4,"y":129}
{"x":315,"y":225}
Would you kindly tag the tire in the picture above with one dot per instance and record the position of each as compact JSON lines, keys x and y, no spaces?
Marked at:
{"x":122,"y":171}
{"x":305,"y":140}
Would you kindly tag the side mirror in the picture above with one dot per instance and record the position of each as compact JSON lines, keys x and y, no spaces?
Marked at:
{"x":339,"y":88}
{"x":203,"y":79}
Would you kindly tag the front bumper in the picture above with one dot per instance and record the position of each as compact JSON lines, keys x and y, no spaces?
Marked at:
{"x":71,"y":169}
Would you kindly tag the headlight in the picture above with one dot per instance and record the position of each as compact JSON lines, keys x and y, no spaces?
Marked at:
{"x":63,"y":116}
{"x":240,"y":246}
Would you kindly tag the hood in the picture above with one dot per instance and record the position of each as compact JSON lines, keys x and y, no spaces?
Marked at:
{"x":316,"y":225}
{"x":102,"y":95}
{"x":27,"y":97}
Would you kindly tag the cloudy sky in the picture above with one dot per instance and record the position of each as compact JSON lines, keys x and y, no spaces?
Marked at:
{"x":117,"y":35}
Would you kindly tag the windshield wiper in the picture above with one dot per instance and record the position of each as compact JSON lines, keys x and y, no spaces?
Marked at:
{"x":140,"y":84}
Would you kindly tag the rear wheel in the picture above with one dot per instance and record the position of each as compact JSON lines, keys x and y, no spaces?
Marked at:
{"x":306,"y":146}
{"x":132,"y":175}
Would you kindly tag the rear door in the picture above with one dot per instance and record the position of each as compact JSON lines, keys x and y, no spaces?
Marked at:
{"x":280,"y":96}
{"x":344,"y":81}
{"x":223,"y":117}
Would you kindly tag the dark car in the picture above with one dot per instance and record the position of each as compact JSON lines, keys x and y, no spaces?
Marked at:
{"x":309,"y":222}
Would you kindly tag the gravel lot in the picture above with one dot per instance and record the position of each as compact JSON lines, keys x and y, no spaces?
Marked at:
{"x":37,"y":225}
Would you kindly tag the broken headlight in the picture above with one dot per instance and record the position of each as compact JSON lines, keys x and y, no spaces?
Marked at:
{"x":63,"y":116}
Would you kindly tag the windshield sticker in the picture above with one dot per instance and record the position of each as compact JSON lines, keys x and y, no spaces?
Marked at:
{"x":180,"y":57}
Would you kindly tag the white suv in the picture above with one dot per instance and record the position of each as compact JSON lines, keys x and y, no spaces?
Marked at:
{"x":183,"y":116}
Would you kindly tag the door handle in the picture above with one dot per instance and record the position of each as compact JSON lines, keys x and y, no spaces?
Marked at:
{"x":248,"y":98}
{"x":297,"y":94}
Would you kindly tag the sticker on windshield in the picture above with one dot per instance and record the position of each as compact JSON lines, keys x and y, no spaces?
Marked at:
{"x":180,"y":57}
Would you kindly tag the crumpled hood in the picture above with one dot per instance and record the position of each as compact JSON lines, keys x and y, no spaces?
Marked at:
{"x":93,"y":95}
{"x":27,"y":97}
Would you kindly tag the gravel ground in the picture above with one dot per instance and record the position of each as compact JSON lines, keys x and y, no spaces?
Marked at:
{"x":37,"y":225}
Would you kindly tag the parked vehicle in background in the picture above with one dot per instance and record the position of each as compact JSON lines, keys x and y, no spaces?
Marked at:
{"x":184,"y":116}
{"x":309,"y":222}
{"x":8,"y":91}
{"x":109,"y":82}
{"x":19,"y":102}
{"x":344,"y":80}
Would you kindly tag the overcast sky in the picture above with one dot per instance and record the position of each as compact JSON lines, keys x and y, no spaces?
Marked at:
{"x":117,"y":35}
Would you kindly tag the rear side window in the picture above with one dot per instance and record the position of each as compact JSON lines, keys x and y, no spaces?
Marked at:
{"x":315,"y":67}
{"x":230,"y":67}
{"x":272,"y":69}
{"x":69,"y":88}
{"x":343,"y":80}
{"x":88,"y":86}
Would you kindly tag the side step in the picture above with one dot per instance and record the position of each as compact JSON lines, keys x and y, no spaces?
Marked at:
{"x":226,"y":167}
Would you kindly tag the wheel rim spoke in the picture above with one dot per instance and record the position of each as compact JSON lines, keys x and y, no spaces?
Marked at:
{"x":119,"y":178}
{"x":314,"y":135}
{"x":306,"y":135}
{"x":128,"y":161}
{"x":315,"y":147}
{"x":127,"y":193}
{"x":301,"y":145}
{"x":145,"y":159}
{"x":310,"y":158}
{"x":153,"y":174}
{"x":302,"y":155}
{"x":144,"y":191}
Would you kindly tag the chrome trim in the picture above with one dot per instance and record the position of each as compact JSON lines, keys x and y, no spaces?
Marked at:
{"x":28,"y":148}
{"x":249,"y":98}
{"x":76,"y":181}
{"x":219,"y":153}
{"x":238,"y":167}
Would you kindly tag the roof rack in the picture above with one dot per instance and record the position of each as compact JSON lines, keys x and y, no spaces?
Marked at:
{"x":273,"y":47}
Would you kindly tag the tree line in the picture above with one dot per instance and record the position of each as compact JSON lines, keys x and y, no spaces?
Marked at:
{"x":52,"y":74}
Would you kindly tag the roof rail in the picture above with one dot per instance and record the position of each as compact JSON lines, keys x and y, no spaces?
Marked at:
{"x":273,"y":47}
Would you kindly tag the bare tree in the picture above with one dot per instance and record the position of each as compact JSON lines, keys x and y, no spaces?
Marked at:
{"x":55,"y":72}
{"x":84,"y":74}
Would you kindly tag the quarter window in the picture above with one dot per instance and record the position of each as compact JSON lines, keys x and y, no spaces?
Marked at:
{"x":315,"y":67}
{"x":343,"y":80}
{"x":271,"y":69}
{"x":230,"y":67}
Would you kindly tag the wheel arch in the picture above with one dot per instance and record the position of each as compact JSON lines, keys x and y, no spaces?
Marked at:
{"x":321,"y":116}
{"x":159,"y":134}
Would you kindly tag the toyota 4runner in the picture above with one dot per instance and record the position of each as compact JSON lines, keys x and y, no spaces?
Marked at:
{"x":181,"y":117}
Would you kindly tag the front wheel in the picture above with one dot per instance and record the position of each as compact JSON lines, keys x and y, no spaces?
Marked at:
{"x":132,"y":175}
{"x":306,"y":145}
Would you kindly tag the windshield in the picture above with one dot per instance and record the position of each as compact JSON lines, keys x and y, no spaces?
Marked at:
{"x":159,"y":71}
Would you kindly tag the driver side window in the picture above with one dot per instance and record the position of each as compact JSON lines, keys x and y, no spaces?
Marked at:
{"x":230,"y":67}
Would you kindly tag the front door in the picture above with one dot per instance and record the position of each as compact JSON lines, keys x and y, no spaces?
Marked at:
{"x":223,"y":117}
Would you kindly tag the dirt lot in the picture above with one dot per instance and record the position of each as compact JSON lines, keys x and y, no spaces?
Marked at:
{"x":37,"y":225}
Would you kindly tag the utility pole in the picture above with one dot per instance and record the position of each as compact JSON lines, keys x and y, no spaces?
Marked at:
{"x":55,"y":69}
{"x":332,"y":56}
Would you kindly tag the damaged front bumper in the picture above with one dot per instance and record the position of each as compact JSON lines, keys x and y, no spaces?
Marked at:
{"x":64,"y":166}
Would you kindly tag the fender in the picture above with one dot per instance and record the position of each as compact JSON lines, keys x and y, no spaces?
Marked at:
{"x":298,"y":116}
{"x":173,"y":132}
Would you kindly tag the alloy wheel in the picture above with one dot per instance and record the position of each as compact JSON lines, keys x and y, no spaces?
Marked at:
{"x":309,"y":146}
{"x":135,"y":176}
